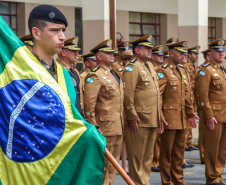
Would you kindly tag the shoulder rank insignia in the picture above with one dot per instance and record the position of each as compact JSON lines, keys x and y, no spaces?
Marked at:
{"x":95,"y":68}
{"x":120,"y":69}
{"x":133,"y":60}
{"x":165,"y":65}
{"x":81,"y":71}
{"x":180,"y":65}
{"x":205,"y":65}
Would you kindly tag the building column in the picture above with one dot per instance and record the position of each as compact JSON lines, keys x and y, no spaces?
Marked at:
{"x":193,"y":23}
{"x":96,"y":23}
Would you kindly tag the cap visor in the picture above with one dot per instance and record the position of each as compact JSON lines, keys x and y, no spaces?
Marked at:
{"x":159,"y":54}
{"x":219,"y":49}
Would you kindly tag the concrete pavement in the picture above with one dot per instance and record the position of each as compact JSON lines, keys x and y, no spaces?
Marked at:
{"x":192,"y":176}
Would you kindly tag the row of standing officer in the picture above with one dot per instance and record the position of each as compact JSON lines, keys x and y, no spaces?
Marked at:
{"x":131,"y":109}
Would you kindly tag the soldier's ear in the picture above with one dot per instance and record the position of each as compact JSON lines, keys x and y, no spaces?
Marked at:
{"x":171,"y":53}
{"x":63,"y":52}
{"x":137,"y":50}
{"x":98,"y":56}
{"x":36,"y":32}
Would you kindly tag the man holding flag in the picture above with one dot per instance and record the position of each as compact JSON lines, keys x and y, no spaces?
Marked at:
{"x":44,"y":139}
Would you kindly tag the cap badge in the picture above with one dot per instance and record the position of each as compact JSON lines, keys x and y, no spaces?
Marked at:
{"x":75,"y":41}
{"x":221,"y":43}
{"x":52,"y":15}
{"x":149,"y":38}
{"x":109,"y":43}
{"x":160,"y":48}
{"x":185,"y":44}
{"x":126,"y":43}
{"x":174,"y":39}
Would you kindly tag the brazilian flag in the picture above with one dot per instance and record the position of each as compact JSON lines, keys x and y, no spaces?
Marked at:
{"x":43,"y":138}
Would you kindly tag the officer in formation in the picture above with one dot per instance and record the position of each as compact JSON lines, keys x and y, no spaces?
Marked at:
{"x":68,"y":59}
{"x":176,"y":108}
{"x":103,"y":98}
{"x":119,"y":65}
{"x":199,"y":111}
{"x":90,"y":62}
{"x":157,"y":61}
{"x":193,"y":56}
{"x":142,"y":110}
{"x":211,"y":90}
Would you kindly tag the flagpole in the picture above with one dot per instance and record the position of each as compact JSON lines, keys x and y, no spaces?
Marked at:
{"x":118,"y":168}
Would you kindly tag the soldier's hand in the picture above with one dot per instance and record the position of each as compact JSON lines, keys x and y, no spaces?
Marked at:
{"x":211,"y":123}
{"x":161,"y":128}
{"x":133,"y":124}
{"x":192,"y":121}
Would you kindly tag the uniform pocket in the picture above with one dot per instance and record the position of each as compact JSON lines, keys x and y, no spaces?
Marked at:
{"x":170,"y":111}
{"x":146,"y":81}
{"x":144,"y":113}
{"x":108,"y":90}
{"x":174,"y":85}
{"x":217,"y":84}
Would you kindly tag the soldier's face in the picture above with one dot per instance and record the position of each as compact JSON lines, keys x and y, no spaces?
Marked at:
{"x":91,"y":63}
{"x":217,"y":56}
{"x":194,"y":57}
{"x":71,"y":56}
{"x":107,"y":58}
{"x":51,"y":38}
{"x":185,"y":60}
{"x":157,"y":58}
{"x":178,"y":57}
{"x":144,"y":52}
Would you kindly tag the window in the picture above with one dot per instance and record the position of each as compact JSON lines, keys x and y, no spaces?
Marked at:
{"x":141,"y":24}
{"x":9,"y":14}
{"x":211,"y":29}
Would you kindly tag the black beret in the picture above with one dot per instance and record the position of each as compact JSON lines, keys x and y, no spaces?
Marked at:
{"x":48,"y":13}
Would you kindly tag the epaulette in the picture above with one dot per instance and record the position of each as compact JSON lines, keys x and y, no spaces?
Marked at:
{"x":95,"y":68}
{"x":133,"y":60}
{"x":81,"y":71}
{"x":180,"y":65}
{"x":205,"y":65}
{"x":165,"y":65}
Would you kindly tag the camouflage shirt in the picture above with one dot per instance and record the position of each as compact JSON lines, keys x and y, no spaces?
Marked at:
{"x":51,"y":69}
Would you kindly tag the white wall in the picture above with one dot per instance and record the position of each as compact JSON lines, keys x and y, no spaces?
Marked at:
{"x":193,"y":12}
{"x":75,"y":3}
{"x":153,"y":6}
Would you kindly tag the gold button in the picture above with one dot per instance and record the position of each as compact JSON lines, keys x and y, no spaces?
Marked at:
{"x":182,"y":91}
{"x":213,"y":107}
{"x":121,"y":104}
{"x":146,"y":79}
{"x":182,"y":99}
{"x":143,"y":110}
{"x":174,"y":83}
{"x":182,"y":107}
{"x":171,"y":107}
